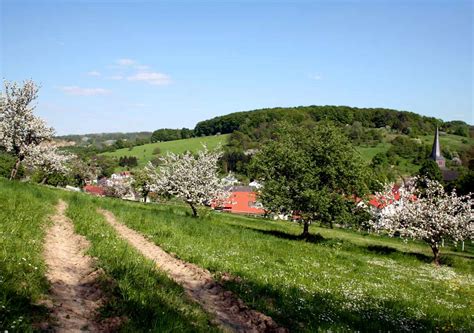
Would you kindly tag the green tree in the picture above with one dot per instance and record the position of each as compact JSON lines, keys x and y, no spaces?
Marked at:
{"x":142,"y":182}
{"x":308,"y":172}
{"x":430,"y":170}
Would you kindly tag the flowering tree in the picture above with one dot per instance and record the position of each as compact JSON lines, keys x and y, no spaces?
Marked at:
{"x":429,"y":214}
{"x":48,"y":159}
{"x":20,"y":129}
{"x":193,"y":179}
{"x":119,"y":189}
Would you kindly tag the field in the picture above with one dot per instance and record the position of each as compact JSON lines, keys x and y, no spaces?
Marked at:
{"x":450,"y":141}
{"x":340,"y":280}
{"x":144,"y":153}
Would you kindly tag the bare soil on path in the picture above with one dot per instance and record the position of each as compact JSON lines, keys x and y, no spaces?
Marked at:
{"x":229,"y":312}
{"x":74,"y":292}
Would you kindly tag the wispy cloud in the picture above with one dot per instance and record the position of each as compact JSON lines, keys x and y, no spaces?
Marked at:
{"x":153,"y":78}
{"x":116,"y":77}
{"x":125,"y":62}
{"x":93,"y":73}
{"x":78,"y":91}
{"x":142,"y":67}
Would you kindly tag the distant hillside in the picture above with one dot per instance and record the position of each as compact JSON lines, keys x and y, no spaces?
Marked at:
{"x":402,"y":121}
{"x":148,"y":152}
{"x":104,"y":139}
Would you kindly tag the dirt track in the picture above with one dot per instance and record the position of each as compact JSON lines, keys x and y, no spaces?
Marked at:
{"x":74,"y":294}
{"x":229,"y":312}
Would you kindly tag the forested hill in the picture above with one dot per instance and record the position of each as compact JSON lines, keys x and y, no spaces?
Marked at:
{"x":405,"y":122}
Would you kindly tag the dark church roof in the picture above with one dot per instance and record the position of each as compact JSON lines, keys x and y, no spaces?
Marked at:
{"x":436,"y":150}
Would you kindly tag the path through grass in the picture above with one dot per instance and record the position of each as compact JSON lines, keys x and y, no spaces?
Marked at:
{"x":343,"y":281}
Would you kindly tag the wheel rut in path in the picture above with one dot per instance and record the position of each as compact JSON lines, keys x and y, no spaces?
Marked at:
{"x":229,"y":312}
{"x":74,"y":293}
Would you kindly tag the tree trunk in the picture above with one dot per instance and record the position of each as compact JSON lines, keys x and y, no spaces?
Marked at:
{"x":305,"y":233}
{"x":435,"y":249}
{"x":15,"y":169}
{"x":195,"y":213}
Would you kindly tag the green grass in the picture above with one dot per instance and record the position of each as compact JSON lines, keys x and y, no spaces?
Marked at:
{"x":450,"y":141}
{"x":341,"y":281}
{"x":23,"y":216}
{"x":367,"y":153}
{"x":134,"y":288}
{"x":146,"y":296}
{"x":144,"y":153}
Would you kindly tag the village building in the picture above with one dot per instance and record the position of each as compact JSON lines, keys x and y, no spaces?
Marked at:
{"x":436,"y":155}
{"x":243,"y":200}
{"x":436,"y":152}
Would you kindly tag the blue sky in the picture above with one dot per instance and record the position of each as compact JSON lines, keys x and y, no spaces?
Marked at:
{"x":128,"y":66}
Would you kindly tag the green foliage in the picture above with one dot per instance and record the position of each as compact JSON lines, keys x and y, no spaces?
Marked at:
{"x":128,"y":161}
{"x":431,"y":170}
{"x":7,"y":162}
{"x":105,"y":164}
{"x":53,"y":179}
{"x":157,"y":151}
{"x":465,"y":183}
{"x":167,"y":134}
{"x":141,"y":183}
{"x":235,"y":160}
{"x":404,"y":122}
{"x":456,"y":127}
{"x":309,"y":171}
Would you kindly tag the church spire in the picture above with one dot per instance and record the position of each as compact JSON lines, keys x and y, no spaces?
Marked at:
{"x":436,"y":151}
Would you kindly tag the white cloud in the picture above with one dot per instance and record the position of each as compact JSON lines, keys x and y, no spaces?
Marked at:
{"x":126,"y":62}
{"x":75,"y":90}
{"x":142,"y":67}
{"x":116,"y":77}
{"x":93,"y":73}
{"x":153,"y":78}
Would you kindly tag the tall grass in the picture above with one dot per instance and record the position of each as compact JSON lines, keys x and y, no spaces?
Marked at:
{"x":24,"y":212}
{"x":340,"y":281}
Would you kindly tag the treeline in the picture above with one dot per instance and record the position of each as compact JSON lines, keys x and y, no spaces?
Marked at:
{"x":169,"y":134}
{"x":402,"y":121}
{"x":104,"y":139}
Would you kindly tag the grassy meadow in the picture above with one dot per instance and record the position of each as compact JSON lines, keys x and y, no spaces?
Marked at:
{"x":144,"y":153}
{"x":340,"y":280}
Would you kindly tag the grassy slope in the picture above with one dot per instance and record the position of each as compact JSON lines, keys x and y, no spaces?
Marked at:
{"x":450,"y":141}
{"x":145,"y":153}
{"x":135,"y":288}
{"x":344,"y":281}
{"x":150,"y":300}
{"x":23,"y":215}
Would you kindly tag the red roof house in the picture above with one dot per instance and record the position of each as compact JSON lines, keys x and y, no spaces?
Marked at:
{"x":243,"y":200}
{"x":94,"y":190}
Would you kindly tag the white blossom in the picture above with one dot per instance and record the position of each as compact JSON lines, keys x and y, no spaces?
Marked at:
{"x":193,"y":179}
{"x":20,"y":129}
{"x":47,"y":158}
{"x":426,"y":213}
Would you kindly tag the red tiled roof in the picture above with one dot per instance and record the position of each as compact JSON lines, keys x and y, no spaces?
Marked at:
{"x":96,"y":190}
{"x":242,"y":203}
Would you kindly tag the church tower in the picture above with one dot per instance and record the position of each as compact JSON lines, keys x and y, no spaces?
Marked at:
{"x":436,"y":152}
